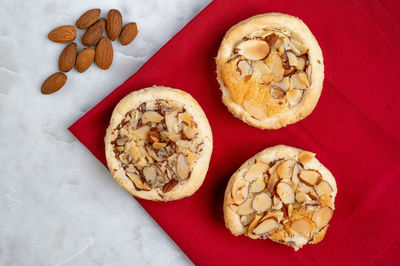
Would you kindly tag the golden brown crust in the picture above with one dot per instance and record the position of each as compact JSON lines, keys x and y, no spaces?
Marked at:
{"x":178,"y":98}
{"x":284,"y":233}
{"x":277,"y":115}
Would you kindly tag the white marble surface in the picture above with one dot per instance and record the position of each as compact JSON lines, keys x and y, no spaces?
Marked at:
{"x":58,"y":204}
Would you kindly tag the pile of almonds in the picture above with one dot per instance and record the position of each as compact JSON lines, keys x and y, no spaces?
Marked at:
{"x":283,"y":199}
{"x":102,"y":54}
{"x":157,"y":145}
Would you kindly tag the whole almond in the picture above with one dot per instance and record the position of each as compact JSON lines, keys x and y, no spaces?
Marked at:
{"x":84,"y":59}
{"x":113,"y":24}
{"x":93,"y":33}
{"x":54,"y":83}
{"x":128,"y":33}
{"x":88,"y":18}
{"x":62,"y":34}
{"x":66,"y":61}
{"x":104,"y":53}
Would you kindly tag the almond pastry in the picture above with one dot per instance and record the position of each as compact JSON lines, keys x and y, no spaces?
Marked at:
{"x":158,"y":144}
{"x":282,"y":193}
{"x":270,"y":70}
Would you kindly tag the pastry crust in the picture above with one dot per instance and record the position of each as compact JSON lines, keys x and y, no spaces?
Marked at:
{"x":277,"y":116}
{"x":179,"y":99}
{"x":282,"y":235}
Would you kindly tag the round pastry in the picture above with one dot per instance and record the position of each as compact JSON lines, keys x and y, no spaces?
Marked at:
{"x":158,"y":144}
{"x":282,"y":193}
{"x":270,"y":70}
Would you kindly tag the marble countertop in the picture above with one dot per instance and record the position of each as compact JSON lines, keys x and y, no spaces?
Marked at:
{"x":58,"y":204}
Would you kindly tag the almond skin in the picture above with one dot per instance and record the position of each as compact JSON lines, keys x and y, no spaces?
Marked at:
{"x":66,"y":61}
{"x":128,"y":33}
{"x":114,"y":24}
{"x":54,"y":83}
{"x":88,"y":18}
{"x":93,"y":33}
{"x":169,"y":186}
{"x":84,"y":59}
{"x":104,"y":53}
{"x":62,"y":34}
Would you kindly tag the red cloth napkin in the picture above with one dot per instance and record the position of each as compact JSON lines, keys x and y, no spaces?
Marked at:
{"x":354,"y":130}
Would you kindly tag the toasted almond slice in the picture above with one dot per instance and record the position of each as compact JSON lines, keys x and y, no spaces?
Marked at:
{"x":253,"y":224}
{"x":240,"y":191}
{"x":246,"y":219}
{"x":289,"y":71}
{"x":290,"y":210}
{"x":138,"y":184}
{"x":159,"y":145}
{"x":273,"y":168}
{"x":276,"y":92}
{"x":255,"y":111}
{"x":171,"y":120}
{"x":253,"y":49}
{"x":277,"y":203}
{"x":272,"y":181}
{"x":303,"y":78}
{"x":300,"y":63}
{"x":306,"y":156}
{"x":301,"y":187}
{"x":319,"y":236}
{"x":284,"y":84}
{"x":262,"y":202}
{"x":292,"y":59}
{"x":297,"y":82}
{"x":192,"y":157}
{"x":142,"y":132}
{"x":182,"y":166}
{"x":294,"y":96}
{"x":285,"y":169}
{"x":244,"y":67}
{"x":169,"y":186}
{"x":245,"y":208}
{"x":322,"y":217}
{"x":295,"y":176}
{"x":285,"y":192}
{"x":309,"y":71}
{"x":302,"y":226}
{"x":189,"y":132}
{"x":257,"y":186}
{"x":277,"y":68}
{"x":324,"y":188}
{"x":184,"y":144}
{"x":302,"y":197}
{"x":185,"y":117}
{"x":265,"y":226}
{"x":298,"y":47}
{"x":174,"y":137}
{"x":151,"y":116}
{"x":150,"y":174}
{"x":310,"y":177}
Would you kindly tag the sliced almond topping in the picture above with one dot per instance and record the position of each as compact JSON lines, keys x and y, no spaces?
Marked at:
{"x":153,"y":136}
{"x":192,"y":157}
{"x":292,"y":59}
{"x":171,"y":120}
{"x":306,"y":156}
{"x":169,"y":186}
{"x":277,"y":68}
{"x":302,"y":226}
{"x":289,"y":71}
{"x":261,"y":202}
{"x":284,"y":84}
{"x":300,"y":63}
{"x":296,"y":171}
{"x":290,"y":210}
{"x":253,"y":224}
{"x":322,"y":217}
{"x":265,"y":226}
{"x":255,"y":111}
{"x":298,"y":47}
{"x":285,"y":193}
{"x":262,"y":71}
{"x":277,"y":203}
{"x":138,"y":184}
{"x":189,"y":132}
{"x":297,"y":82}
{"x":184,"y":144}
{"x":182,"y":166}
{"x":245,"y":208}
{"x":285,"y":169}
{"x":253,"y":49}
{"x":244,"y":67}
{"x":239,"y":191}
{"x":276,"y":92}
{"x":142,"y":132}
{"x":320,"y":236}
{"x":272,"y":181}
{"x":277,"y":214}
{"x":310,"y":177}
{"x":302,"y":197}
{"x":159,"y":145}
{"x":174,"y":137}
{"x":324,"y":188}
{"x":257,"y":186}
{"x":294,"y":96}
{"x":303,"y":78}
{"x":151,"y":116}
{"x":246,"y":219}
{"x":150,"y":174}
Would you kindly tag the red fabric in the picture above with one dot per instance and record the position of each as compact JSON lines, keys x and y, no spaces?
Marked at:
{"x":354,"y":130}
